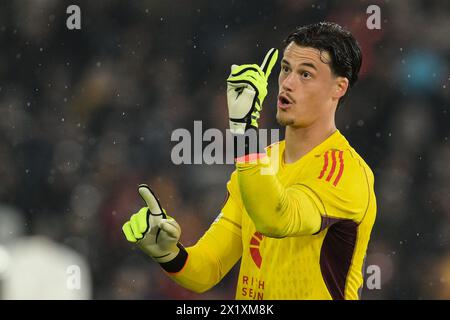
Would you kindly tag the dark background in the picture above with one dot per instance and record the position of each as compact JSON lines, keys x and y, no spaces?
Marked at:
{"x":86,"y":115}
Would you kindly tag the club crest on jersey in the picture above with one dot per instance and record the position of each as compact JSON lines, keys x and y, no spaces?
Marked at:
{"x":255,"y":242}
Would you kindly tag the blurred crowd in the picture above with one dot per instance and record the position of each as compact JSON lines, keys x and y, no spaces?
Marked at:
{"x":87,"y":115}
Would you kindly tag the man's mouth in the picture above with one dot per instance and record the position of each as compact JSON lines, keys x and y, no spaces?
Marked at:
{"x":283,"y":102}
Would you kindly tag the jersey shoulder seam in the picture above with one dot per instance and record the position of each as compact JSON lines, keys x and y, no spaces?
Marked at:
{"x":363,"y":167}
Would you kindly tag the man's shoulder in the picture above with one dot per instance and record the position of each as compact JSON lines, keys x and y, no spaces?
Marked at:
{"x":340,"y":165}
{"x":344,"y":151}
{"x":357,"y":162}
{"x":341,"y":179}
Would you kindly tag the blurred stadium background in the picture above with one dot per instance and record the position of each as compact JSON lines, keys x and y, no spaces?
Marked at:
{"x":87,"y":115}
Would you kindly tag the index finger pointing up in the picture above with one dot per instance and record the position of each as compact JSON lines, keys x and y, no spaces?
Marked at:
{"x":150,"y":199}
{"x":269,"y":61}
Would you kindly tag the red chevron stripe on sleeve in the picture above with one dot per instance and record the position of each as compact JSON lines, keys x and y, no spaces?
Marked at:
{"x":335,"y":155}
{"x":325,"y":165}
{"x":333,"y":165}
{"x":341,"y":168}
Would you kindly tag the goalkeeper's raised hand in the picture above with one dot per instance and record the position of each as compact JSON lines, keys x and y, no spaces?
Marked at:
{"x":246,"y":90}
{"x":153,"y":230}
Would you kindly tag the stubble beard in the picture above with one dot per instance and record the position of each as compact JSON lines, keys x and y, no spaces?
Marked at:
{"x":284,"y":121}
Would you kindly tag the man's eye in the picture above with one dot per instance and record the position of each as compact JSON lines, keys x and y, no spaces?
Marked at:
{"x":285,"y":69}
{"x":306,"y":75}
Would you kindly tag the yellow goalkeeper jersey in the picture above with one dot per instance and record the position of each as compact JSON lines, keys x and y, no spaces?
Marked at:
{"x":301,"y":229}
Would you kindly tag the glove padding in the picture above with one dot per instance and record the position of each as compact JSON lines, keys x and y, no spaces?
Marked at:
{"x":152,"y":229}
{"x":246,"y":90}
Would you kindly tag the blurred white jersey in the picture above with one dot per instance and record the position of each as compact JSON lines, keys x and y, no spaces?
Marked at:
{"x":39,"y":268}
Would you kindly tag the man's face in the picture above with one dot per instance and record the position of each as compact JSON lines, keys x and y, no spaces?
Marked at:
{"x":308,"y":90}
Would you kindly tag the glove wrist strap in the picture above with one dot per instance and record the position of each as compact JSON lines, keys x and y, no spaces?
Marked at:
{"x":247,"y":143}
{"x":176,"y":264}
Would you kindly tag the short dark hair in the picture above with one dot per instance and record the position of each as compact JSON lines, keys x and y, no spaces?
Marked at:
{"x":344,"y":50}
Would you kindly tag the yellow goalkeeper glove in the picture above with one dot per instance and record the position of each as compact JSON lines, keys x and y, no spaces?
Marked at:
{"x":246,"y":90}
{"x":155,"y":232}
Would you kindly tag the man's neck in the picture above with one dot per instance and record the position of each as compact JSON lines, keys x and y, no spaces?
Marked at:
{"x":299,"y":141}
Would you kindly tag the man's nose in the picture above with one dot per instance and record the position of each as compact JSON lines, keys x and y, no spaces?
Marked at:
{"x":288,"y":82}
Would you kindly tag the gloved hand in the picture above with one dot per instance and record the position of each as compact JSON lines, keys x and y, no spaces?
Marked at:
{"x":246,"y":90}
{"x":153,"y":230}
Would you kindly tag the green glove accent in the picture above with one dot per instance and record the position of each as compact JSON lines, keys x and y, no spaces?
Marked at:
{"x":246,"y":91}
{"x":152,"y":229}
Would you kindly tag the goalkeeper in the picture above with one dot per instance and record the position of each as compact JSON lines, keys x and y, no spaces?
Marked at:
{"x":302,"y":231}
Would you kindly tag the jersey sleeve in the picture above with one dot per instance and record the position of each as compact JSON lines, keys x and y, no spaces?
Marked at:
{"x":216,"y":252}
{"x":277,"y":211}
{"x":339,"y":186}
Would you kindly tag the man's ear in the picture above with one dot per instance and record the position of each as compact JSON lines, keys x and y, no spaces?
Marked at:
{"x":340,"y":88}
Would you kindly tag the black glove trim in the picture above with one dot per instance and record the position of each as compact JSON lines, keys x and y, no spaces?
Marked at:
{"x":177,"y":263}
